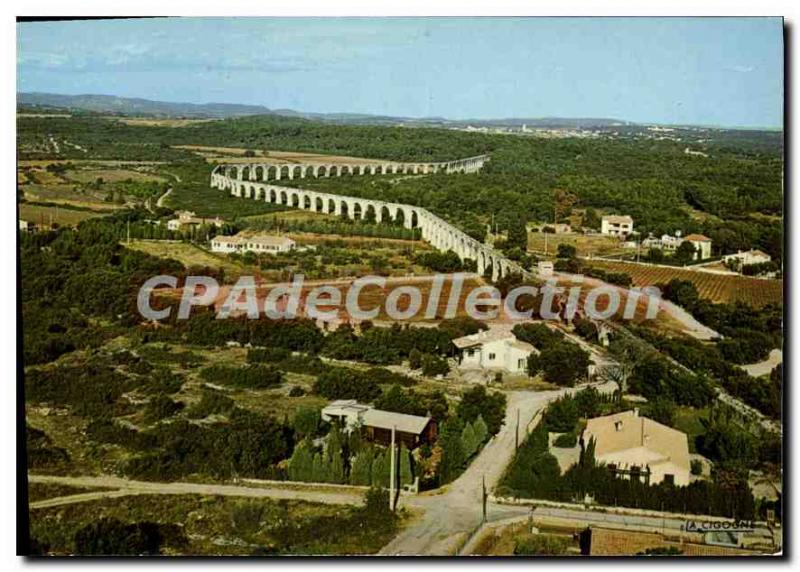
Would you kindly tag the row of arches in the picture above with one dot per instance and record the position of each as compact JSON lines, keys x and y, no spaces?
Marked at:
{"x":439,"y":233}
{"x":274,"y":172}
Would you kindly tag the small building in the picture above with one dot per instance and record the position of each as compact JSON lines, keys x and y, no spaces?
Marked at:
{"x":494,"y":349}
{"x":260,"y":243}
{"x":561,"y":228}
{"x":544,"y":268}
{"x":746,"y":258}
{"x":702,"y":245}
{"x":377,"y":424}
{"x":616,"y":225}
{"x":24,"y":225}
{"x":635,"y":447}
{"x":188,"y":218}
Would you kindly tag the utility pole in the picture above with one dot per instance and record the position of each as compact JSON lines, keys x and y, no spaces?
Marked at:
{"x":392,"y":476}
{"x":516,"y":434}
{"x":484,"y":496}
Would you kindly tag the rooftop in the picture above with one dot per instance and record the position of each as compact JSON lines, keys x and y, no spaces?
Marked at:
{"x":627,"y":430}
{"x":485,"y":336}
{"x":697,"y":238}
{"x":618,"y":219}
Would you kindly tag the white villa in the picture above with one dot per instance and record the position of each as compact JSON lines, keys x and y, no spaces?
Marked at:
{"x":746,"y":258}
{"x":671,"y":243}
{"x":616,"y":225}
{"x":702,"y":244}
{"x":260,"y":243}
{"x":638,"y":447}
{"x":496,"y":349}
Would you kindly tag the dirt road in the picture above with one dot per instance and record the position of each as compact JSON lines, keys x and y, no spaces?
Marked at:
{"x":123,"y":487}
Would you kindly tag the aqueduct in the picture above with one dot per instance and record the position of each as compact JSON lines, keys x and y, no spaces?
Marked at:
{"x":275,"y":171}
{"x":250,"y":181}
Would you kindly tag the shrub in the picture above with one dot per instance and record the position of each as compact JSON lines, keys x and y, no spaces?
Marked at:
{"x":566,"y":440}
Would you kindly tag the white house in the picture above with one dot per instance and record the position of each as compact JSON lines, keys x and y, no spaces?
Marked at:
{"x":638,"y":447}
{"x":746,"y":258}
{"x":616,"y":225}
{"x":702,"y":245}
{"x":260,"y":243}
{"x":544,"y":268}
{"x":494,"y":349}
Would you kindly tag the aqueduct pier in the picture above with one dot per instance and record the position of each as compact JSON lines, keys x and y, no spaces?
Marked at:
{"x":242,"y":181}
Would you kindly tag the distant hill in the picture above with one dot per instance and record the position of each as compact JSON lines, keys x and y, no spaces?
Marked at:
{"x":111,"y":104}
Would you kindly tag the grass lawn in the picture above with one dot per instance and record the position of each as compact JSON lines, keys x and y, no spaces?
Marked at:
{"x":187,"y":254}
{"x":585,"y":245}
{"x":38,"y":214}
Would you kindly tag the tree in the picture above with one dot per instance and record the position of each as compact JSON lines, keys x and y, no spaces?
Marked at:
{"x":301,"y":463}
{"x":590,"y":219}
{"x":564,"y":364}
{"x":685,"y":252}
{"x":361,"y":469}
{"x":415,"y":359}
{"x":406,"y":472}
{"x":566,"y":251}
{"x":562,"y":203}
{"x":306,"y":421}
{"x":662,"y":410}
{"x":627,"y":355}
{"x":453,"y":455}
{"x":517,"y":235}
{"x":477,"y":402}
{"x":433,"y":366}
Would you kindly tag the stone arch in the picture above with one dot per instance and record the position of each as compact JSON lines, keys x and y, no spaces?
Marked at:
{"x":273,"y":173}
{"x":319,"y":204}
{"x":305,"y":201}
{"x":384,"y":215}
{"x":370,"y":214}
{"x":307,"y":171}
{"x":295,"y":199}
{"x":284,"y":171}
{"x":331,"y":206}
{"x":284,"y":198}
{"x":273,"y":196}
{"x":358,"y":210}
{"x":344,"y":209}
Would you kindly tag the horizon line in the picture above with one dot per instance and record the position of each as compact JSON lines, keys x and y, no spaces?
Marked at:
{"x":411,"y":117}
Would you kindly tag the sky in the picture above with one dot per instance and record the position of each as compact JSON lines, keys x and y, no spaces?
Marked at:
{"x":702,"y":71}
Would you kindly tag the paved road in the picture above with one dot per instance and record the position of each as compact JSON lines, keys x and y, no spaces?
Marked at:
{"x":447,"y":517}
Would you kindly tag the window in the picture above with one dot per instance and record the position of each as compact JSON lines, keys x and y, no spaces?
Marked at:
{"x":491,"y":357}
{"x":521,"y":364}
